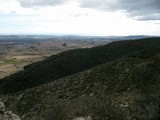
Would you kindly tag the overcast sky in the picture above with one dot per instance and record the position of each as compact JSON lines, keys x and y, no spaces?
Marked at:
{"x":80,"y":17}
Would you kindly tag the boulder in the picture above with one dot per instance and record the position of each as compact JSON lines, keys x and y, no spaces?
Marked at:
{"x":2,"y":107}
{"x":7,"y":115}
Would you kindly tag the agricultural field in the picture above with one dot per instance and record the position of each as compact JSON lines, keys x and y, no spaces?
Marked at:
{"x":19,"y":51}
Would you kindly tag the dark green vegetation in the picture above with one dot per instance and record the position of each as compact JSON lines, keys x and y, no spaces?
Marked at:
{"x":70,"y":62}
{"x":118,"y":81}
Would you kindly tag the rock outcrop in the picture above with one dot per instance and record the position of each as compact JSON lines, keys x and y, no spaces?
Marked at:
{"x":7,"y":115}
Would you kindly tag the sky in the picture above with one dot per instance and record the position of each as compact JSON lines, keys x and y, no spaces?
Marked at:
{"x":80,"y":17}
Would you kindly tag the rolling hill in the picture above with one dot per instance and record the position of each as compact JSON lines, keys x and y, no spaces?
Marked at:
{"x":124,"y":89}
{"x":118,"y":81}
{"x":73,"y":61}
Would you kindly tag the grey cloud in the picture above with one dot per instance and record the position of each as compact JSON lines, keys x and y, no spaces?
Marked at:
{"x":32,"y":3}
{"x":146,"y":16}
{"x":138,"y":9}
{"x":98,"y":4}
{"x":142,"y":10}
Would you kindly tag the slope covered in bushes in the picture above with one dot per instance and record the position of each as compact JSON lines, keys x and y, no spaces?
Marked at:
{"x":125,"y":89}
{"x":74,"y":61}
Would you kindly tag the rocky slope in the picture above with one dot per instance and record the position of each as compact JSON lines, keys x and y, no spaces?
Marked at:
{"x":125,"y":86}
{"x":125,"y":89}
{"x":7,"y":115}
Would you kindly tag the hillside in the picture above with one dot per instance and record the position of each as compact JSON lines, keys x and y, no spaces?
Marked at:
{"x":74,"y":61}
{"x":125,"y":89}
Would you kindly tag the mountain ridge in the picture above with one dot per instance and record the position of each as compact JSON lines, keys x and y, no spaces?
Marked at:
{"x":73,"y":61}
{"x":126,"y":86}
{"x":123,"y":86}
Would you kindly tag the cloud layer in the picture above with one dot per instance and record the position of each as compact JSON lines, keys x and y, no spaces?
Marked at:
{"x":139,"y":9}
{"x":32,"y":3}
{"x":101,"y":17}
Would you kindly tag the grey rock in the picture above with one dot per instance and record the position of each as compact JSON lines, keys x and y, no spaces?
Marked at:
{"x":83,"y":118}
{"x":7,"y":115}
{"x":2,"y":106}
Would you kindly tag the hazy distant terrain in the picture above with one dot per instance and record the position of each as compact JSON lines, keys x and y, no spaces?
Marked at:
{"x":17,"y":51}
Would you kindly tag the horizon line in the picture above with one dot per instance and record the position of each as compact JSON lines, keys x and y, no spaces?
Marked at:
{"x":63,"y":34}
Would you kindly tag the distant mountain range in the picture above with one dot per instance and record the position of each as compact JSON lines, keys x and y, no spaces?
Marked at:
{"x":73,"y":37}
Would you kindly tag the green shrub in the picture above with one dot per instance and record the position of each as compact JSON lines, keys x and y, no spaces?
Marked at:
{"x":99,"y":108}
